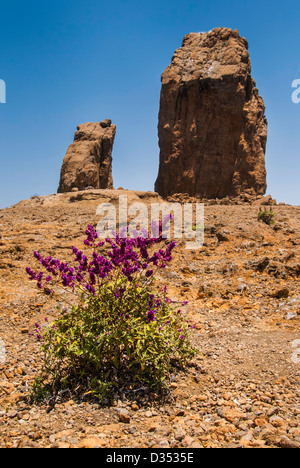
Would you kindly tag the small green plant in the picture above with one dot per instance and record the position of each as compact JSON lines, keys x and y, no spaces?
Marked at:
{"x":122,"y":326}
{"x":267,"y":216}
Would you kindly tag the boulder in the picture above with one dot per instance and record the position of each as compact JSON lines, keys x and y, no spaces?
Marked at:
{"x":88,"y":161}
{"x":212,"y":127}
{"x":267,"y":200}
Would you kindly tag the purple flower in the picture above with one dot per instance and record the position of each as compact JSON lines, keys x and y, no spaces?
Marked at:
{"x":119,"y":292}
{"x":92,"y":235}
{"x":68,"y":279}
{"x":91,"y":289}
{"x":92,"y":278}
{"x":37,"y":255}
{"x":31,"y":273}
{"x":39,"y":277}
{"x":126,"y":255}
{"x":151,"y":315}
{"x":150,"y":300}
{"x":79,"y":278}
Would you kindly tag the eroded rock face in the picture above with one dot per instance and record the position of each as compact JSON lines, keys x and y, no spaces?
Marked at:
{"x":212,"y":127}
{"x":88,"y":161}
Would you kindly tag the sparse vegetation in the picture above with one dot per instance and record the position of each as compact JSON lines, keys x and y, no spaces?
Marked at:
{"x":266,"y":216}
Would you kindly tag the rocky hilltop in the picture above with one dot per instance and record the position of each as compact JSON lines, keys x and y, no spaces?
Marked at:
{"x":212,"y":127}
{"x":239,"y":292}
{"x":244,"y":302}
{"x":88,"y":161}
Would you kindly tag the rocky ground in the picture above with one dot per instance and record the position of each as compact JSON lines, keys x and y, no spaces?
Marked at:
{"x":244,"y":300}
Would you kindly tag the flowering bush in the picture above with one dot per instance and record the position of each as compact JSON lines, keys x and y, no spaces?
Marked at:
{"x":120,"y":326}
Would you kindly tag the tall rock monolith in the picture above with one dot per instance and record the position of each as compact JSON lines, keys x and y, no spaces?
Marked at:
{"x":88,"y":161}
{"x":212,"y":127}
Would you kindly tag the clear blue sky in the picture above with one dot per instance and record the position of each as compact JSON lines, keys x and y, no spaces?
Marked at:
{"x":69,"y":62}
